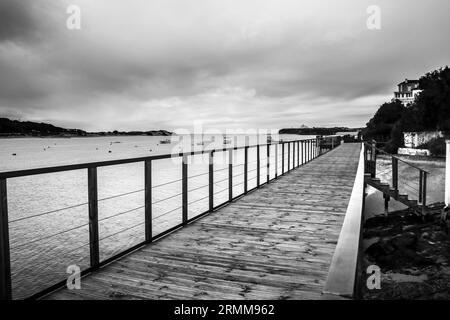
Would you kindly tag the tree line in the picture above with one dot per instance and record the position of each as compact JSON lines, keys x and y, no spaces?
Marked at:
{"x":429,"y":112}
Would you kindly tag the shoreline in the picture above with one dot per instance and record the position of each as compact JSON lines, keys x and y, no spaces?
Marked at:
{"x":86,"y":136}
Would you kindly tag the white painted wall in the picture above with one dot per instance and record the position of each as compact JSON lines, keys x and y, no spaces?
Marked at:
{"x":447,"y":175}
{"x":415,"y":139}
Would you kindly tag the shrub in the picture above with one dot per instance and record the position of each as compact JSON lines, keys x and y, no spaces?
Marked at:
{"x":436,"y":146}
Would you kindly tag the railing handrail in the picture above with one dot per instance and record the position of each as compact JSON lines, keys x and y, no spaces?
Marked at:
{"x":395,"y":157}
{"x":87,"y":165}
{"x":342,"y":276}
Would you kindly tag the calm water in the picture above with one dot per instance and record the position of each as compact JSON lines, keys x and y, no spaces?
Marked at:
{"x":49,"y":215}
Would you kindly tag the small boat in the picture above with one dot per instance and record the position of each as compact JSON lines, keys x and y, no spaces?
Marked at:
{"x":202,"y":143}
{"x":165,"y":141}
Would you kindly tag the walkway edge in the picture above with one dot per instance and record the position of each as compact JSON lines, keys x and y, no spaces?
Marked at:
{"x":341,"y":279}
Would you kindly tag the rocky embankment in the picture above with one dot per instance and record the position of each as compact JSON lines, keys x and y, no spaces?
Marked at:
{"x":412,"y":252}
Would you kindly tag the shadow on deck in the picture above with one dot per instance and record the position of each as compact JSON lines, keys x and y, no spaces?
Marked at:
{"x":274,"y":243}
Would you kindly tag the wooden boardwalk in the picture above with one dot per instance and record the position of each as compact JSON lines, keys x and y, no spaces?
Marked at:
{"x":274,"y":243}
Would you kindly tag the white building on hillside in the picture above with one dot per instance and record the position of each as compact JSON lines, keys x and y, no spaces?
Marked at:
{"x":407,"y":91}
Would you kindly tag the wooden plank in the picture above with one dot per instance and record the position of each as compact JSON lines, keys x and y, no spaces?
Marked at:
{"x":273,"y":243}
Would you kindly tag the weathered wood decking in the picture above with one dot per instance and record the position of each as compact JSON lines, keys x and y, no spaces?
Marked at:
{"x":274,"y":243}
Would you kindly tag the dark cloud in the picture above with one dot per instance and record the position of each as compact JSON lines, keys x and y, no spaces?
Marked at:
{"x":16,"y":20}
{"x":160,"y":63}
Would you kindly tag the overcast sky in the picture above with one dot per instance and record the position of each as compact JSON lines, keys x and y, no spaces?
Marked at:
{"x":163,"y":64}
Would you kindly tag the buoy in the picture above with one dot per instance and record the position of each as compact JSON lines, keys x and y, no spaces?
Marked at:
{"x":109,"y":151}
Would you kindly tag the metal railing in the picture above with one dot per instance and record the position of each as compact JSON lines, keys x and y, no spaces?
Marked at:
{"x":416,"y":186}
{"x":293,"y":154}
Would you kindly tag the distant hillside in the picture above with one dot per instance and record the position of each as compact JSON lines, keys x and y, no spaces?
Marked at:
{"x":27,"y":128}
{"x":11,"y":128}
{"x":316,"y":131}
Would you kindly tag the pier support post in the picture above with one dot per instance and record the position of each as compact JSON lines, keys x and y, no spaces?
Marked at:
{"x":5,"y":261}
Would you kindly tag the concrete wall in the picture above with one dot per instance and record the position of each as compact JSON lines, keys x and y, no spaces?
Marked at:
{"x":415,"y":139}
{"x":414,"y":152}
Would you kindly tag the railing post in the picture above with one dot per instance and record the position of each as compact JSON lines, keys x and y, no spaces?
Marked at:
{"x":314,"y":142}
{"x":211,"y":181}
{"x":5,"y":261}
{"x":148,"y":200}
{"x":309,"y":150}
{"x":314,"y":148}
{"x":184,"y":178}
{"x":293,"y":155}
{"x":276,"y":160}
{"x":303,"y":153}
{"x":447,"y":175}
{"x":374,"y":158}
{"x":258,"y":165}
{"x":93,"y":217}
{"x":395,"y":173}
{"x":246,"y":165}
{"x":282,"y":158}
{"x":230,"y":175}
{"x":424,"y":190}
{"x":268,"y":163}
{"x":420,"y":186}
{"x":289,"y":157}
{"x":298,"y":153}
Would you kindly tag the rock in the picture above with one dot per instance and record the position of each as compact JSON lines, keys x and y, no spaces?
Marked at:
{"x":425,"y":235}
{"x":408,"y":240}
{"x":440,"y":296}
{"x":439,"y":236}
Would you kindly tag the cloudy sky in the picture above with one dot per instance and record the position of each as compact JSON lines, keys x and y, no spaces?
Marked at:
{"x":164,"y":64}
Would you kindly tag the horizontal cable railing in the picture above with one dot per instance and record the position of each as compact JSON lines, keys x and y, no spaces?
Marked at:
{"x":272,"y":161}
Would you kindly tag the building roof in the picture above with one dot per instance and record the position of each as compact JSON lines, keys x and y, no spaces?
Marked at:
{"x":408,"y":81}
